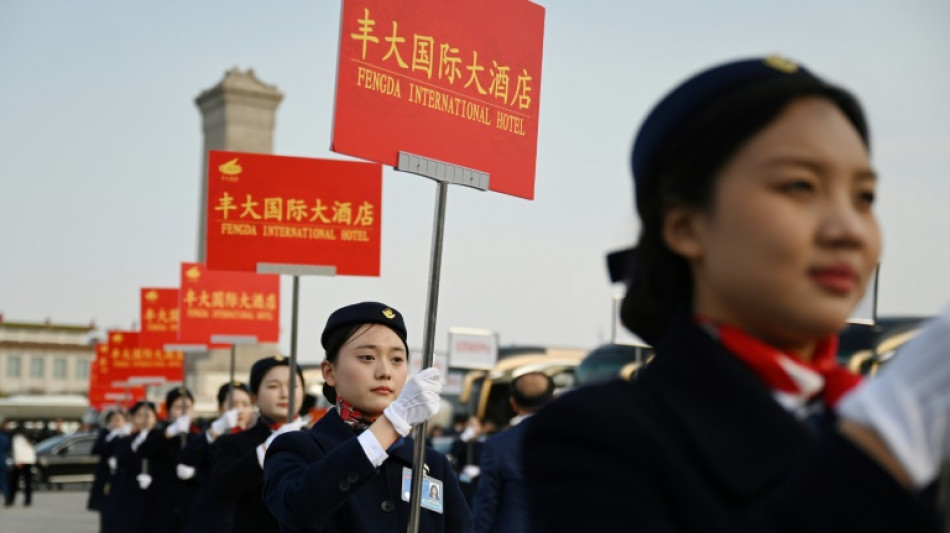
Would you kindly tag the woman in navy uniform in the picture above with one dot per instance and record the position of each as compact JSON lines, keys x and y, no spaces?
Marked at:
{"x":352,"y":470}
{"x":237,"y":459}
{"x":758,"y":238}
{"x":126,"y":498}
{"x":172,"y":490}
{"x":104,"y":447}
{"x":210,"y":514}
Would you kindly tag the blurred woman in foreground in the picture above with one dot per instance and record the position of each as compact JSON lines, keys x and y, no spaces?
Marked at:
{"x":758,"y":238}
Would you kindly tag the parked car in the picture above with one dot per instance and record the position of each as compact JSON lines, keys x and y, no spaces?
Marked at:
{"x":65,"y":459}
{"x":612,"y":361}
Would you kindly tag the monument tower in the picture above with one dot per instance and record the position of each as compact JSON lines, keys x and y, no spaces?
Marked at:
{"x":237,"y":114}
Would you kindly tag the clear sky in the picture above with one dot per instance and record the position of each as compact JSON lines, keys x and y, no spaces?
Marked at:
{"x":100,"y":152}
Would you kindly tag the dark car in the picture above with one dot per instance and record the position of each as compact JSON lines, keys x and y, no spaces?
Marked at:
{"x":612,"y":361}
{"x":66,"y":459}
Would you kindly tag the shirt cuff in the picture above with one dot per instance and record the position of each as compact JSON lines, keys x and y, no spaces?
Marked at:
{"x":372,"y":448}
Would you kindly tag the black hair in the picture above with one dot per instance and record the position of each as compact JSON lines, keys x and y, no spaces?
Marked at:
{"x":140,"y":404}
{"x":532,"y":402}
{"x":224,"y":389}
{"x":110,"y":414}
{"x":335,"y":341}
{"x":660,"y":281}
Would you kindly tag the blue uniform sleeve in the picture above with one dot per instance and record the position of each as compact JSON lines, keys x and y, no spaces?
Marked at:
{"x":304,"y":486}
{"x":485,"y":503}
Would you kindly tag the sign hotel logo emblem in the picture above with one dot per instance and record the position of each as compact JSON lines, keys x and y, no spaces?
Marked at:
{"x":193,"y":273}
{"x":151,"y":296}
{"x":231,"y":168}
{"x":389,"y":313}
{"x":781,"y":64}
{"x":117,"y":338}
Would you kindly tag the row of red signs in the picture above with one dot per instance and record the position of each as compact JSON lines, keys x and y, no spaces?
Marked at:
{"x":208,"y":303}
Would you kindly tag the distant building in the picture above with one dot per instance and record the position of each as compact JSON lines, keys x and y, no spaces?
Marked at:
{"x":45,"y":358}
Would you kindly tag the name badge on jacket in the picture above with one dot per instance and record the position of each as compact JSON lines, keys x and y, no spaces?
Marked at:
{"x":431,"y":491}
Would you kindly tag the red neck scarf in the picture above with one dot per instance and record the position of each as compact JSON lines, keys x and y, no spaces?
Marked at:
{"x":794,"y":382}
{"x":353,"y":417}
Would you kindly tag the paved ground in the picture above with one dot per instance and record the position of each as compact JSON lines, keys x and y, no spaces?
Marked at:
{"x":61,"y":511}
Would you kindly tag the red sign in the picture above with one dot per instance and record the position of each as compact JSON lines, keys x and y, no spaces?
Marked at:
{"x":215,"y":302}
{"x":451,"y":80}
{"x":293,"y":210}
{"x":101,"y":391}
{"x":159,"y":317}
{"x":130,"y":360}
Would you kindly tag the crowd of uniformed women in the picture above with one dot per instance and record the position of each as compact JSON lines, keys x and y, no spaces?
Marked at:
{"x":177,"y":475}
{"x":347,"y":473}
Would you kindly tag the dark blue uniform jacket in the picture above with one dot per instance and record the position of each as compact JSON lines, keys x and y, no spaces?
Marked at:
{"x":236,"y":478}
{"x":500,"y":505}
{"x":698,"y":444}
{"x":321,"y":480}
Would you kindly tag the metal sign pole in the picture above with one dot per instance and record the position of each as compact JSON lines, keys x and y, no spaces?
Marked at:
{"x":233,"y":340}
{"x":432,"y":304}
{"x":614,"y":313}
{"x":443,"y":173}
{"x":293,"y":351}
{"x":231,"y":378}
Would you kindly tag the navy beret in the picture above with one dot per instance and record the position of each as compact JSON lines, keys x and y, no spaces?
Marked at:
{"x":260,"y":368}
{"x":364,"y":313}
{"x":176,"y":393}
{"x":678,"y":108}
{"x":223,"y":390}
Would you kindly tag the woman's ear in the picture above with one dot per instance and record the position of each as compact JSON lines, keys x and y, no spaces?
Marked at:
{"x":683,"y":231}
{"x":328,"y":376}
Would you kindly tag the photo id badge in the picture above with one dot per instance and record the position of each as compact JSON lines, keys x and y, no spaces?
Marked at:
{"x":432,"y":495}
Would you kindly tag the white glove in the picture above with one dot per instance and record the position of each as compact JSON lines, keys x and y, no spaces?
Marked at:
{"x":908,"y":403}
{"x":121,"y":431}
{"x":289,"y":426}
{"x":468,"y":434}
{"x":113,"y":464}
{"x":469,"y":473}
{"x":296,"y":425}
{"x":418,"y":401}
{"x":184,"y":472}
{"x":144,"y":480}
{"x":225,"y":422}
{"x":180,"y":425}
{"x":139,"y":439}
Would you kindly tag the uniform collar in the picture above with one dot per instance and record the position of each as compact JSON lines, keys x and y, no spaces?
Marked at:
{"x":331,"y":430}
{"x":728,"y":415}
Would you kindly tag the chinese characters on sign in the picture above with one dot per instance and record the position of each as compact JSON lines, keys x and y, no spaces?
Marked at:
{"x":101,"y":391}
{"x":227,"y":303}
{"x":292,"y":210}
{"x":159,"y":317}
{"x":444,"y":79}
{"x":129,"y":359}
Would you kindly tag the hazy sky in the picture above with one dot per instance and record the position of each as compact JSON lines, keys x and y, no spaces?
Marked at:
{"x":100,"y":152}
